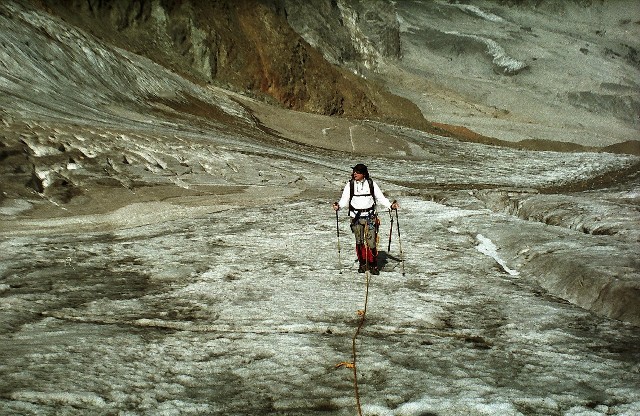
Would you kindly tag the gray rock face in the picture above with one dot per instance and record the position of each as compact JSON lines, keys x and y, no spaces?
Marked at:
{"x":358,"y":35}
{"x":509,"y":71}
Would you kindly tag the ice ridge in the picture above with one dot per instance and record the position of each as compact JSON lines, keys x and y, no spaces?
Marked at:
{"x":487,"y":247}
{"x":502,"y":62}
{"x":480,"y":13}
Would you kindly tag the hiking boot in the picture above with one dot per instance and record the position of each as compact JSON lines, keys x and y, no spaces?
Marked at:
{"x":375,"y":270}
{"x":362,"y":268}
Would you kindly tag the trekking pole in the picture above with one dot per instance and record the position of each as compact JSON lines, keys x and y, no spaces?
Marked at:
{"x":399,"y":241}
{"x":338,"y":234}
{"x":390,"y":231}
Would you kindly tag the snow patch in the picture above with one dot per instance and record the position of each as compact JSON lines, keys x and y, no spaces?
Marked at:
{"x":480,"y":13}
{"x":487,"y":247}
{"x":404,"y":25}
{"x":40,"y":150}
{"x":506,"y":64}
{"x":44,"y":176}
{"x":62,"y":398}
{"x":15,"y":207}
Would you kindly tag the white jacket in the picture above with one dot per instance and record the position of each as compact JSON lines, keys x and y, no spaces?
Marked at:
{"x":362,"y":198}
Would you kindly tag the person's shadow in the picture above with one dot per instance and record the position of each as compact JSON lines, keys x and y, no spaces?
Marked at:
{"x":383,"y":259}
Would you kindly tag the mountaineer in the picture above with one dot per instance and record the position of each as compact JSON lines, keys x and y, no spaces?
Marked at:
{"x":361,"y":194}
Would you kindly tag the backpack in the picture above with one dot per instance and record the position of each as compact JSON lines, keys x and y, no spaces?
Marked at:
{"x":371,"y":193}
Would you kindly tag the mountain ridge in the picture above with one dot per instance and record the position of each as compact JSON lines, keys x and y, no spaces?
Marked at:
{"x":245,"y":46}
{"x":363,"y":60}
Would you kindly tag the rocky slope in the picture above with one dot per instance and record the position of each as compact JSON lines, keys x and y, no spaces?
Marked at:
{"x":248,"y":46}
{"x":543,"y":70}
{"x":507,"y":70}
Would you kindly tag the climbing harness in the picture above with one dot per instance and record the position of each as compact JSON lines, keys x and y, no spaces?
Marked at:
{"x":358,"y":212}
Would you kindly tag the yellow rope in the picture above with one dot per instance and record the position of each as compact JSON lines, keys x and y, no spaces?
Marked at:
{"x":363,"y":314}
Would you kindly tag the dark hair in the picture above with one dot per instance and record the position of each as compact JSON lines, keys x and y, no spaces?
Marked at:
{"x":360,"y":168}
